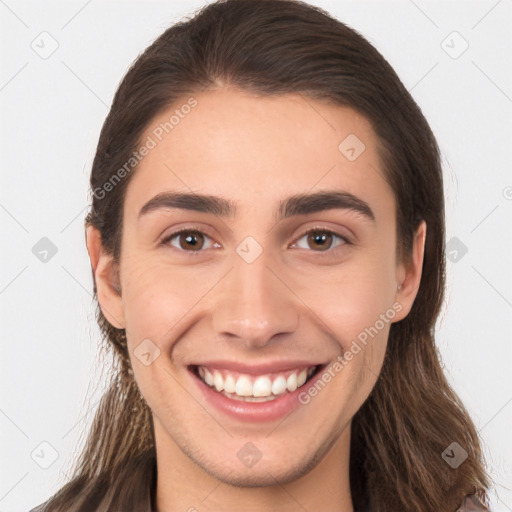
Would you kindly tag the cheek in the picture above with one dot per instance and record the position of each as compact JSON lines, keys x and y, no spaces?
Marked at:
{"x":351,"y":299}
{"x":157,"y":296}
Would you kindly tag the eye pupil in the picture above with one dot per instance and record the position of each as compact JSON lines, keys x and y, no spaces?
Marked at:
{"x":319,"y":239}
{"x":192,"y":240}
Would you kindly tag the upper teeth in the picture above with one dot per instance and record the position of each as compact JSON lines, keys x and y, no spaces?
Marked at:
{"x":254,"y":386}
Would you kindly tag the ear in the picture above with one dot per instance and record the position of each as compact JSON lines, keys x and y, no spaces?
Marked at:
{"x":408,"y":273}
{"x":106,"y":279}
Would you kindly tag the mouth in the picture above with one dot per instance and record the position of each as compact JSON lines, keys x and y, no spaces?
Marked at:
{"x":254,"y":394}
{"x":247,"y":387}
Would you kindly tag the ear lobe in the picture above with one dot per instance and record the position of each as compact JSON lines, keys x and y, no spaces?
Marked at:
{"x":409,"y":273}
{"x":106,"y":279}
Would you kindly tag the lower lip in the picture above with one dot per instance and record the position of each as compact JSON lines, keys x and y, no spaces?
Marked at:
{"x":254,"y":411}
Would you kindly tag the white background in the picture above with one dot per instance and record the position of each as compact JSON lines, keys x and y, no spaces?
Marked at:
{"x":51,"y":114}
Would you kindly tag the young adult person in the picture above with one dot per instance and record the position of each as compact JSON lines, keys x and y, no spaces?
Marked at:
{"x":266,"y":238}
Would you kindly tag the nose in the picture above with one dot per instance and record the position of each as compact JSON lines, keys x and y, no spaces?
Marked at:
{"x":254,"y":304}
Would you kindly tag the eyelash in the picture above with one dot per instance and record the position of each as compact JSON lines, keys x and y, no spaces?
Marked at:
{"x":167,"y":239}
{"x":320,"y":229}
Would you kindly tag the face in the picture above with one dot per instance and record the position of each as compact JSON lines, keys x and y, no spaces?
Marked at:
{"x":258,"y":288}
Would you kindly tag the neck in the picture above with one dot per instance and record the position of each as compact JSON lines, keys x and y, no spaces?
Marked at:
{"x":183,"y":485}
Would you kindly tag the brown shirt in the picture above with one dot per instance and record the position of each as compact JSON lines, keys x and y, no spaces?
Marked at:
{"x":470,"y":503}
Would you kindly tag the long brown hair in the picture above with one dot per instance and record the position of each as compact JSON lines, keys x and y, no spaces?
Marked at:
{"x":275,"y":47}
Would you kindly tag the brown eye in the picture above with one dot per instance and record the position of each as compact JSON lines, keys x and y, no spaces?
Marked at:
{"x":320,"y":240}
{"x":189,"y":241}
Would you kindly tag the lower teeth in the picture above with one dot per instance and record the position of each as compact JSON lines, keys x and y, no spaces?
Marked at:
{"x":249,"y":398}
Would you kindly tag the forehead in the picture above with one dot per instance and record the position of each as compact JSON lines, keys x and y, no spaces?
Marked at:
{"x":255,"y":149}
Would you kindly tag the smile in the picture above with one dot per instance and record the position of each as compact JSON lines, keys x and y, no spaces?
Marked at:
{"x":254,"y":388}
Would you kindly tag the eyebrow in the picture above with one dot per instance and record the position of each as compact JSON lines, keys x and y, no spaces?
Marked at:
{"x":300,"y":204}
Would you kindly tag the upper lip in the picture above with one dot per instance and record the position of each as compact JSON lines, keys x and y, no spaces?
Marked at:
{"x":257,"y":369}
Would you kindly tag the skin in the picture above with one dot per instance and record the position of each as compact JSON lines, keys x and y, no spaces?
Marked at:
{"x":295,"y":301}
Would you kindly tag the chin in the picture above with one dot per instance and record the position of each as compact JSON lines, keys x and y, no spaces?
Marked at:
{"x":263,"y":473}
{"x":262,"y":477}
